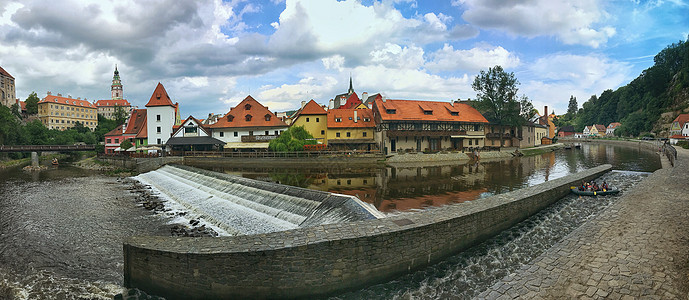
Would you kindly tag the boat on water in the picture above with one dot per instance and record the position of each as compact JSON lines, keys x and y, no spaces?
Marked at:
{"x":611,"y":191}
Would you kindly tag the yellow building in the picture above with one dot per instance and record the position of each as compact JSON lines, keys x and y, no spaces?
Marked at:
{"x":57,"y":112}
{"x":314,"y":119}
{"x":351,"y":129}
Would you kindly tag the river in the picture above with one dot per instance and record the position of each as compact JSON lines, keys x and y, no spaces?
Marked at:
{"x":61,"y":230}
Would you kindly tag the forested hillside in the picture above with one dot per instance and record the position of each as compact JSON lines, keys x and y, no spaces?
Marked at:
{"x":661,"y":90}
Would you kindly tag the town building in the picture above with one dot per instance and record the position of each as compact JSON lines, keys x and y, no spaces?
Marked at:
{"x":565,"y":131}
{"x":597,"y":130}
{"x":7,"y":88}
{"x":107,"y":108}
{"x":58,"y":112}
{"x":314,"y":118}
{"x":610,"y":130}
{"x":531,"y":135}
{"x":351,"y":129}
{"x":136,"y":129}
{"x":679,"y":129}
{"x":192,"y":135}
{"x":547,"y":121}
{"x":428,"y":126}
{"x":347,"y":100}
{"x":587,"y":131}
{"x":113,"y":139}
{"x":248,"y":126}
{"x":161,"y":116}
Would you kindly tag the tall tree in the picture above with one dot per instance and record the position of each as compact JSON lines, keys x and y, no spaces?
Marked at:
{"x":32,"y":103}
{"x":120,"y":115}
{"x":496,"y":92}
{"x":573,"y":106}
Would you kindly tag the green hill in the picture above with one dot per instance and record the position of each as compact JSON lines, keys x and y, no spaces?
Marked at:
{"x":647,"y":104}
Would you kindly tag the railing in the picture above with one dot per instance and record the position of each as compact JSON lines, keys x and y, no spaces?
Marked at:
{"x":36,"y":148}
{"x":299,"y":154}
{"x":670,"y":152}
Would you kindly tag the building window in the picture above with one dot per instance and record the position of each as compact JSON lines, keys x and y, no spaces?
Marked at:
{"x":277,"y":132}
{"x":349,"y":134}
{"x":251,"y":133}
{"x":364,"y":133}
{"x":427,"y":112}
{"x":158,"y":129}
{"x":322,"y":132}
{"x":337,"y":134}
{"x":236,"y":133}
{"x":247,"y":117}
{"x":158,"y":118}
{"x":267,"y":133}
{"x":349,"y":182}
{"x":338,"y":119}
{"x":108,"y":141}
{"x":307,"y":119}
{"x":470,"y":142}
{"x":247,"y":107}
{"x":190,"y":129}
{"x":267,"y":117}
{"x":222,"y":134}
{"x":159,"y":141}
{"x":117,"y":141}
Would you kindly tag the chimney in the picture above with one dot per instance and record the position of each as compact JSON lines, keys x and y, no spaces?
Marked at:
{"x":303,"y":103}
{"x":59,"y":95}
{"x":49,"y":93}
{"x":331,"y":104}
{"x":364,"y":96}
{"x":355,"y":121}
{"x":78,"y":98}
{"x":545,"y":111}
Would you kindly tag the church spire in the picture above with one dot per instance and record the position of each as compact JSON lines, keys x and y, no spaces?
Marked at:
{"x":351,"y":89}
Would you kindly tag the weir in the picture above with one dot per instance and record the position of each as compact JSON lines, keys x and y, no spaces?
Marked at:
{"x":330,"y":258}
{"x":246,"y":206}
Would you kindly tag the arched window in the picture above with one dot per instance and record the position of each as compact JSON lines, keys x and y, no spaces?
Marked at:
{"x":247,"y":107}
{"x":230,"y":118}
{"x":248,"y":117}
{"x":267,"y":116}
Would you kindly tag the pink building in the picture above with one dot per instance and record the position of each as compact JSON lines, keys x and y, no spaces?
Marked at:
{"x":113,"y":139}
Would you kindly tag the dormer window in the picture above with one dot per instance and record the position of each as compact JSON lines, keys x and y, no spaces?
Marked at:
{"x":267,"y":117}
{"x":391,"y":111}
{"x":454,"y":113}
{"x":247,"y":107}
{"x":248,"y":117}
{"x":427,"y":112}
{"x":338,"y":119}
{"x":230,"y":118}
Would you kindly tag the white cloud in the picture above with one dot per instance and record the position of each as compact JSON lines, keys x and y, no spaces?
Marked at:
{"x":412,"y":84}
{"x":307,"y":88}
{"x":335,"y":62}
{"x":573,"y":22}
{"x":552,"y":79}
{"x":396,"y":56}
{"x":475,"y":59}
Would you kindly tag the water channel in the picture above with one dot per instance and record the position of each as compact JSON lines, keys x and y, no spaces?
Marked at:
{"x":61,"y":230}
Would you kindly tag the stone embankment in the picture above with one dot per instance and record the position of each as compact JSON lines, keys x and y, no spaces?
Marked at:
{"x":464,"y":156}
{"x":635,"y":249}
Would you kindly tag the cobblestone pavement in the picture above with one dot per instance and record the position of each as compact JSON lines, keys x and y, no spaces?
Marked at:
{"x":638,"y":248}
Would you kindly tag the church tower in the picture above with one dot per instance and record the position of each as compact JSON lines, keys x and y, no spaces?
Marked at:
{"x":116,"y":87}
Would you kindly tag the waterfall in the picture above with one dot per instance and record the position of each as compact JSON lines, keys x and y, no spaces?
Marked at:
{"x":245,"y":206}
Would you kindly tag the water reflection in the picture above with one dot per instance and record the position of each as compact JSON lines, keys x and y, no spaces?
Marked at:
{"x":411,"y":186}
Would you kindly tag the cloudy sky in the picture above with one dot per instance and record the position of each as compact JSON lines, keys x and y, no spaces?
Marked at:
{"x":211,"y":54}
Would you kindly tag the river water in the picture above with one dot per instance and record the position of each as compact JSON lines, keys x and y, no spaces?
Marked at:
{"x":61,"y":230}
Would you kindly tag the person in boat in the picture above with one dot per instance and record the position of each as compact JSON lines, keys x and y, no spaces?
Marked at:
{"x":582,"y":187}
{"x":604,"y":186}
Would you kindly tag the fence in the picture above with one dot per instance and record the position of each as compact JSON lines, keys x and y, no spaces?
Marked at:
{"x":670,"y":152}
{"x":299,"y":154}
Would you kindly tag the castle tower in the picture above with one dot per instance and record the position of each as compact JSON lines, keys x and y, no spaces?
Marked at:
{"x":116,"y":87}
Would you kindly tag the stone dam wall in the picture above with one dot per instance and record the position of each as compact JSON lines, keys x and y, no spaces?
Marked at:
{"x":327,"y":259}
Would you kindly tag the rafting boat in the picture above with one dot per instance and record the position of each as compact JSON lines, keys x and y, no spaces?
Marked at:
{"x":594,"y":193}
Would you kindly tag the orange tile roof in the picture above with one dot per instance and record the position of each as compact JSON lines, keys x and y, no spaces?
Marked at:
{"x":311,"y":108}
{"x":679,"y":136}
{"x":683,"y":118}
{"x":345,"y":114}
{"x":116,"y":131}
{"x":159,"y":97}
{"x":68,"y":101}
{"x":3,"y":72}
{"x":614,"y":125}
{"x":410,"y":110}
{"x":108,"y":102}
{"x":249,"y":113}
{"x":137,"y":124}
{"x":22,"y":105}
{"x":600,"y":127}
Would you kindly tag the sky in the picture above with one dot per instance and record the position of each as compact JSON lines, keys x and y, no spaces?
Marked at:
{"x":211,"y":54}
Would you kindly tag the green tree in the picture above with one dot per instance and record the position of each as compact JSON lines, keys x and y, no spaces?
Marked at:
{"x":292,"y":139}
{"x":80,"y":128}
{"x":16,"y":110}
{"x":126,"y":144}
{"x":572,"y":107}
{"x":10,"y":128}
{"x":120,"y":115}
{"x":32,"y":103}
{"x":496,"y":92}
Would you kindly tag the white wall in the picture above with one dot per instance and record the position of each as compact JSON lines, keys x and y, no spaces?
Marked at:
{"x":167,"y":120}
{"x":229,"y":133}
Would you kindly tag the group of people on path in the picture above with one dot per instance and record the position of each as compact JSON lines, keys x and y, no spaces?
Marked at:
{"x":593,"y":186}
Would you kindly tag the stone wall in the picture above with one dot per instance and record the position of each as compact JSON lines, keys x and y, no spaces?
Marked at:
{"x":327,"y":259}
{"x":141,"y":165}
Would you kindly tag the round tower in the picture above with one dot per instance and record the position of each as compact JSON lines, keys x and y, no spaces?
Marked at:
{"x":116,"y":87}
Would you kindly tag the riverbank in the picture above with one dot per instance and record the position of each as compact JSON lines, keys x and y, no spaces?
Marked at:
{"x":636,"y":248}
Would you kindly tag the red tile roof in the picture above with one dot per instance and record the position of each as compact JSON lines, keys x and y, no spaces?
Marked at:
{"x":409,"y":110}
{"x":22,"y":104}
{"x":311,"y":108}
{"x":108,"y":102}
{"x":600,"y":128}
{"x":68,"y":101}
{"x":614,"y":125}
{"x":679,"y":137}
{"x":116,"y":131}
{"x":159,"y":97}
{"x":352,"y":102}
{"x":137,"y":124}
{"x":3,"y":72}
{"x":346,"y":117}
{"x":249,"y":113}
{"x":683,"y":118}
